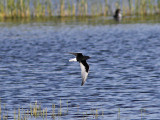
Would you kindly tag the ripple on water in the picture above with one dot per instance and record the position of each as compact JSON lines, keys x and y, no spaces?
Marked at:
{"x":124,"y":68}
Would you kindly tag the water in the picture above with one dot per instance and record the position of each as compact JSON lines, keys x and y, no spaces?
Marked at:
{"x":124,"y":69}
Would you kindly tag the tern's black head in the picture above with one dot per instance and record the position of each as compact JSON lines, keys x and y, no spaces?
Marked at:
{"x":80,"y":57}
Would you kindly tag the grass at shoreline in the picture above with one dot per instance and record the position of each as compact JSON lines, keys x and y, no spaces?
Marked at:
{"x":82,"y":8}
{"x":81,"y":20}
{"x":36,"y":111}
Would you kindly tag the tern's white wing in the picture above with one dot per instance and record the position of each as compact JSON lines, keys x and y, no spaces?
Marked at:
{"x":84,"y":73}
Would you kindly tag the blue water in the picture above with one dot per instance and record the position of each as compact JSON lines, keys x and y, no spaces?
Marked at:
{"x":124,"y":69}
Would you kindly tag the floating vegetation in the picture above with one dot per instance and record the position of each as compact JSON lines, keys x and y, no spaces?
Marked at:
{"x":83,"y":8}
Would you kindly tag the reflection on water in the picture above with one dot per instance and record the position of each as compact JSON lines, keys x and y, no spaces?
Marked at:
{"x":90,"y":20}
{"x":124,"y":68}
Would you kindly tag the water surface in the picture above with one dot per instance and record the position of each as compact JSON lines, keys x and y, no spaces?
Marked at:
{"x":124,"y":68}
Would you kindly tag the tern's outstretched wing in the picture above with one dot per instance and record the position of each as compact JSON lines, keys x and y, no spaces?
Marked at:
{"x":84,"y":71}
{"x":75,"y":54}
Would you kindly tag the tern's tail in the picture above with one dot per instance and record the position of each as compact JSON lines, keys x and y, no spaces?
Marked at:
{"x":73,"y":60}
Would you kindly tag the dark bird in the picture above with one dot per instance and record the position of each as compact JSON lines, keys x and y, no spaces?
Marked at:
{"x":118,"y":16}
{"x":83,"y":64}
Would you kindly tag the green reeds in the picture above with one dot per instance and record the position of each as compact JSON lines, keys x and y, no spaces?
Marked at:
{"x":136,"y":7}
{"x":73,"y":10}
{"x":62,"y":8}
{"x":36,"y":111}
{"x":118,"y":115}
{"x":143,"y":6}
{"x":60,"y":109}
{"x":159,"y":6}
{"x":53,"y":111}
{"x":48,"y":8}
{"x":106,"y":8}
{"x":131,"y":9}
{"x":2,"y":9}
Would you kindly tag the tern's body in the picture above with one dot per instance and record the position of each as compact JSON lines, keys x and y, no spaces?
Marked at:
{"x":83,"y":64}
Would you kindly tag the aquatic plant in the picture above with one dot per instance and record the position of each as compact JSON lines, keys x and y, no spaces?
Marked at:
{"x":48,"y":8}
{"x":37,"y":111}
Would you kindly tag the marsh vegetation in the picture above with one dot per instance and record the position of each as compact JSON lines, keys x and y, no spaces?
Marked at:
{"x":74,"y":8}
{"x":36,"y":111}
